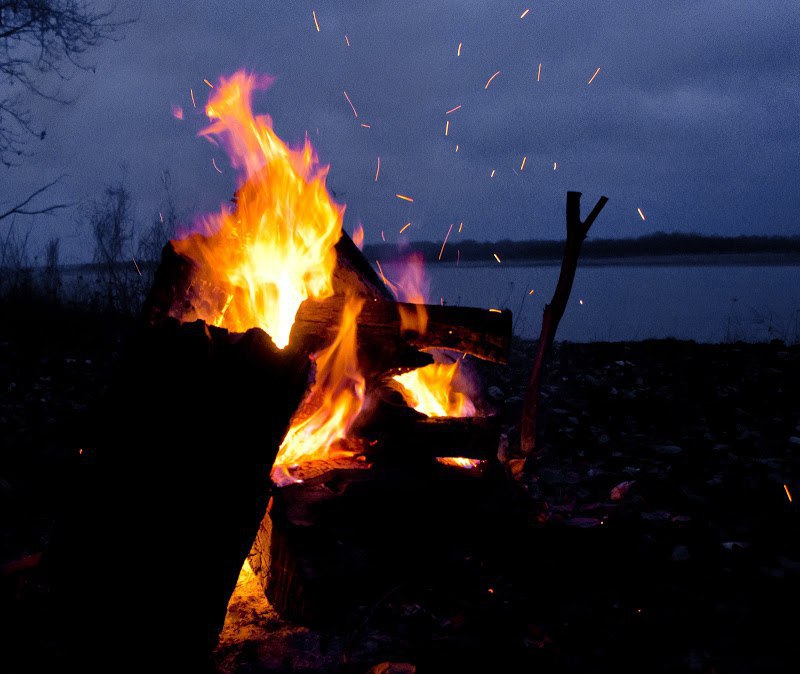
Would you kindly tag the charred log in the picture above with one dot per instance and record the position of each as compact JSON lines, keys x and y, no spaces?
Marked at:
{"x":173,"y":494}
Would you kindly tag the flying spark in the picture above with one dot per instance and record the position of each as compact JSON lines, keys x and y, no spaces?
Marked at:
{"x":641,"y":215}
{"x":383,"y":236}
{"x":492,"y":174}
{"x":191,"y":93}
{"x":444,"y":243}
{"x":378,"y":170}
{"x":522,"y":165}
{"x":499,"y":261}
{"x":580,"y":302}
{"x":139,"y":271}
{"x":530,"y":292}
{"x":405,"y":227}
{"x":591,"y":79}
{"x":211,"y":86}
{"x":495,"y":311}
{"x":316,"y":23}
{"x":177,"y":112}
{"x":788,"y":493}
{"x":353,"y":107}
{"x":347,"y":39}
{"x":213,"y":161}
{"x":404,"y":197}
{"x":489,"y":81}
{"x":447,"y":127}
{"x":458,"y":53}
{"x":524,"y":14}
{"x":539,"y":74}
{"x":460,"y":227}
{"x":456,"y":147}
{"x":366,"y":126}
{"x":452,"y":110}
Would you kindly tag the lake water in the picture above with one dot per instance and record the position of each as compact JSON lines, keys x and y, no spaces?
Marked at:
{"x":717,"y":303}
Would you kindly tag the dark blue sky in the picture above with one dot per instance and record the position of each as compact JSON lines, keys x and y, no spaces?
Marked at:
{"x":694,"y":116}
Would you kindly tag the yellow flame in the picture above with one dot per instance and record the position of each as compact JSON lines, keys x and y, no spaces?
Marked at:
{"x":459,"y":461}
{"x":336,"y":397}
{"x":429,"y":390}
{"x":276,"y":247}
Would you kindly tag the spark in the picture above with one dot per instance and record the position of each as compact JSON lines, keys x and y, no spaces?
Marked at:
{"x":366,"y":126}
{"x":522,"y":165}
{"x":191,"y":93}
{"x":499,"y":261}
{"x":378,"y":169}
{"x":347,"y":39}
{"x":210,"y":86}
{"x":524,"y":14}
{"x":580,"y":302}
{"x":641,"y":215}
{"x":495,"y":311}
{"x":555,"y":165}
{"x":447,"y":127}
{"x":452,"y":110}
{"x":380,"y":269}
{"x":139,"y":271}
{"x":383,"y":236}
{"x":404,"y":197}
{"x":539,"y":74}
{"x":489,"y":81}
{"x":316,"y":23}
{"x":530,"y":292}
{"x":458,"y":53}
{"x":161,"y":217}
{"x":351,"y":104}
{"x":458,"y":256}
{"x":456,"y":147}
{"x":492,"y":174}
{"x":177,"y":112}
{"x":591,"y":79}
{"x":444,"y":243}
{"x":788,"y":493}
{"x":460,"y":227}
{"x":405,"y":227}
{"x":214,"y":162}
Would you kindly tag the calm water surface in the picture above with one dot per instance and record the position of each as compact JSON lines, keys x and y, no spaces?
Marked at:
{"x":626,"y":302}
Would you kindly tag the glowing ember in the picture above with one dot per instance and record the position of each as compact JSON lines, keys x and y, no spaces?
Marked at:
{"x":276,"y":248}
{"x":641,"y":215}
{"x":336,"y":399}
{"x":458,"y":53}
{"x":404,"y":197}
{"x":489,"y":81}
{"x":352,"y":107}
{"x":444,"y":243}
{"x":539,"y":74}
{"x":452,"y":110}
{"x":459,"y":462}
{"x":593,"y":76}
{"x":788,"y":493}
{"x":430,"y":390}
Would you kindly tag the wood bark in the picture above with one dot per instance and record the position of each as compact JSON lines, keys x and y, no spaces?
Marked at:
{"x":172,"y":495}
{"x":577,"y":230}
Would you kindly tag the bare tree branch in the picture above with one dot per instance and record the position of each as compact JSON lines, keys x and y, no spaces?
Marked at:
{"x":20,"y":208}
{"x":40,"y":39}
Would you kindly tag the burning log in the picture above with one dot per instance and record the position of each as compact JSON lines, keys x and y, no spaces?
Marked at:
{"x":174,"y":493}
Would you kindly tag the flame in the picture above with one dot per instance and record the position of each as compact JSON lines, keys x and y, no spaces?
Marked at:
{"x":413,"y":288}
{"x":358,"y":236}
{"x":459,"y":462}
{"x":275,"y":248}
{"x":336,"y":398}
{"x":430,"y":390}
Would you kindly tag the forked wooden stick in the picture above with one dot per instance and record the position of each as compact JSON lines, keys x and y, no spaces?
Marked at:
{"x":576,"y":233}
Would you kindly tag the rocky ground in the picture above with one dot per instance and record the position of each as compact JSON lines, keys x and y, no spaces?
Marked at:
{"x":657,"y":531}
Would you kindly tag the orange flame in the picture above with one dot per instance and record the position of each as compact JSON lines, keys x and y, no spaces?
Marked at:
{"x":459,"y":461}
{"x":430,"y":390}
{"x":336,"y":399}
{"x":412,"y":288}
{"x":275,"y":249}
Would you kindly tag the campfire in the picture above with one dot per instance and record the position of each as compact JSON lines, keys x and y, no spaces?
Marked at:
{"x":387,"y":383}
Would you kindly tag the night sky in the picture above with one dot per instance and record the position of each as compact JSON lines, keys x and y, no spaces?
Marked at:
{"x":694,"y":116}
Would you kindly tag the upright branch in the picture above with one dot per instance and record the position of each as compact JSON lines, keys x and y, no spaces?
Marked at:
{"x":577,"y":230}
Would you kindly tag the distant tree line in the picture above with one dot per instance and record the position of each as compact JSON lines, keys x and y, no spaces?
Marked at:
{"x":658,"y":244}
